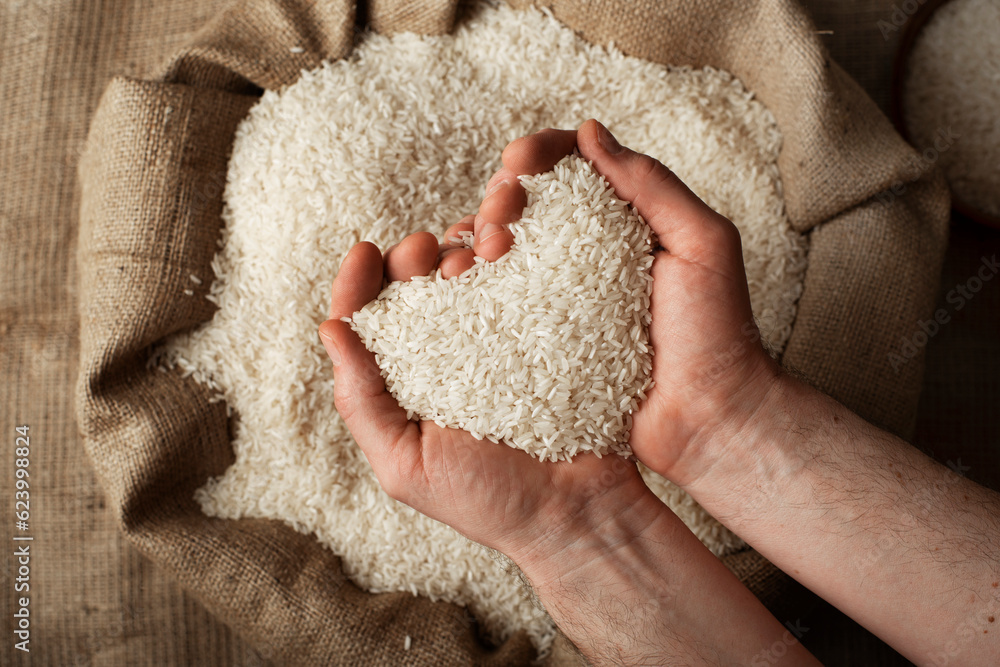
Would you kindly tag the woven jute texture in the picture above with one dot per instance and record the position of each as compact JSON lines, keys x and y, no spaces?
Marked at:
{"x":151,"y":179}
{"x":94,"y":599}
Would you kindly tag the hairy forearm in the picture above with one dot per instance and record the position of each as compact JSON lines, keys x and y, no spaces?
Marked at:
{"x":634,"y":586}
{"x":904,"y":545}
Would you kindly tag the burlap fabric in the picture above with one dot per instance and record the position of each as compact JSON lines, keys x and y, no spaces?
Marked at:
{"x":151,"y":181}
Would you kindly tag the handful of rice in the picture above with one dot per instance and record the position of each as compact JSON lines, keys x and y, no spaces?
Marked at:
{"x":545,"y":349}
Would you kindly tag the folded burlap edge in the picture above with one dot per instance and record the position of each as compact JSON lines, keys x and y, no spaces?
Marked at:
{"x":152,"y":178}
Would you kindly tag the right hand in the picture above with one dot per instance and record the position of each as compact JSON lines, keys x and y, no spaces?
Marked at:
{"x":710,"y":370}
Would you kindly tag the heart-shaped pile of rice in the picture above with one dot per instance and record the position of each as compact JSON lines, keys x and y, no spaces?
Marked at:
{"x":545,"y":349}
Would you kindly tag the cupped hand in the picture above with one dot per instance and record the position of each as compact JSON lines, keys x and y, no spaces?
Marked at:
{"x":709,"y":367}
{"x":493,"y":494}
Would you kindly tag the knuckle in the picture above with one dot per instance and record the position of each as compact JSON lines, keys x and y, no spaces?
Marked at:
{"x":514,"y":148}
{"x":533,"y":143}
{"x":655,"y":184}
{"x":353,"y":387}
{"x":653,"y":174}
{"x":368,"y":381}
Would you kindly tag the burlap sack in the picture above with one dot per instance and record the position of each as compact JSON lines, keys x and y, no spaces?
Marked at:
{"x":152,"y":177}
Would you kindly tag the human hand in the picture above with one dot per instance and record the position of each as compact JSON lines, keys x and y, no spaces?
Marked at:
{"x":701,"y":322}
{"x":493,"y":494}
{"x":709,"y":368}
{"x":612,"y":564}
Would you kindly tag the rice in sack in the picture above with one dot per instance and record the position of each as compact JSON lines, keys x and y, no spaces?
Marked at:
{"x":401,"y":138}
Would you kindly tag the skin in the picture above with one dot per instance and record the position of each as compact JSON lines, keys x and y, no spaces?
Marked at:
{"x":900,"y":543}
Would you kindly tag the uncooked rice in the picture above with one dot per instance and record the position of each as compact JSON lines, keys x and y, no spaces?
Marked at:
{"x":951,"y":96}
{"x":546,"y":349}
{"x":399,"y":138}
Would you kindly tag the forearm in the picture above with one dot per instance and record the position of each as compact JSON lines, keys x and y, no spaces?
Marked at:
{"x":905,"y":546}
{"x":635,"y":587}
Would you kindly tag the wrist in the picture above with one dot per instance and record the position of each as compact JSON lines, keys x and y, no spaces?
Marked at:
{"x":756,"y":455}
{"x":604,"y":574}
{"x":724,"y":415}
{"x":610,"y":509}
{"x":632,"y":585}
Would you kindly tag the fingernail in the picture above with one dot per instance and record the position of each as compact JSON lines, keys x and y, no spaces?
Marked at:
{"x":607,"y":140}
{"x":496,"y":186}
{"x":331,"y":347}
{"x":490,"y":229}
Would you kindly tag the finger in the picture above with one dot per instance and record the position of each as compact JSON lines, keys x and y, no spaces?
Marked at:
{"x":373,"y":416}
{"x":358,"y":281}
{"x":504,"y":203}
{"x":538,"y":152}
{"x":456,"y":261}
{"x":505,"y":198}
{"x":416,"y":255}
{"x":455,"y":257}
{"x":389,"y":440}
{"x":684,"y":224}
{"x":452,"y":237}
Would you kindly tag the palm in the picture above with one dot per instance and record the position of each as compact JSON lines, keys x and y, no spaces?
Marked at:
{"x":454,"y":468}
{"x":493,"y":493}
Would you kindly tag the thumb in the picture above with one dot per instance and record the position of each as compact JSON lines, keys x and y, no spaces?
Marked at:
{"x":373,"y":416}
{"x":683,"y":223}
